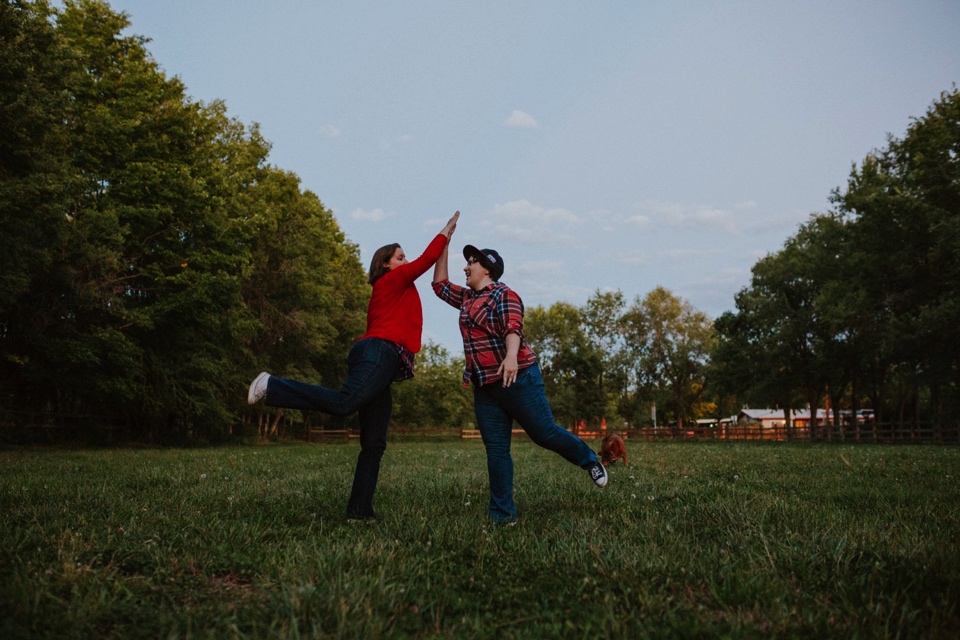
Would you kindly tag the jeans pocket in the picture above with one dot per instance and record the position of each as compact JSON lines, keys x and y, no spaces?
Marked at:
{"x":526,"y":377}
{"x":368,"y":351}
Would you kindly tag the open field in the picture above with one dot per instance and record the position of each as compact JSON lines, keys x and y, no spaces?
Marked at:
{"x":693,"y":540}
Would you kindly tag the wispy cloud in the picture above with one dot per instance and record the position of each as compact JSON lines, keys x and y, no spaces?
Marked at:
{"x":520,"y":120}
{"x":329,"y":131}
{"x":389,"y":144}
{"x":532,"y":236}
{"x":526,"y":223}
{"x":540,"y":269}
{"x":786,"y":221}
{"x":372,"y":215}
{"x":681,"y":216}
{"x":636,"y":260}
{"x":544,"y":290}
{"x":643,"y":222}
{"x":526,"y":212}
{"x":686,"y":253}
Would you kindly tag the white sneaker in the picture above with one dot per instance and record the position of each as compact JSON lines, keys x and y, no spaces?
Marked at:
{"x":258,"y":388}
{"x":598,"y":474}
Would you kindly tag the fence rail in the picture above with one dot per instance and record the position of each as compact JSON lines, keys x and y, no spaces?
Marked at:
{"x":47,"y":427}
{"x":866,"y":433}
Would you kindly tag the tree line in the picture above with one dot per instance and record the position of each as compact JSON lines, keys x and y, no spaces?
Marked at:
{"x":152,"y":261}
{"x":861,"y":307}
{"x":151,"y":258}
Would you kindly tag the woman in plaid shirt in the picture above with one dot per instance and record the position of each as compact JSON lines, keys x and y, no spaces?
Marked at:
{"x":507,"y":384}
{"x":383,"y":355}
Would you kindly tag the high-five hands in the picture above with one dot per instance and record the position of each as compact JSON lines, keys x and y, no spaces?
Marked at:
{"x":451,"y":226}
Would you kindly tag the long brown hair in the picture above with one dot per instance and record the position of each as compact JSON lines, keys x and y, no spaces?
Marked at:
{"x":378,"y":263}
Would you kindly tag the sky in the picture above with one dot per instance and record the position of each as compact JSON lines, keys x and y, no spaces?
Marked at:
{"x":598,"y":146}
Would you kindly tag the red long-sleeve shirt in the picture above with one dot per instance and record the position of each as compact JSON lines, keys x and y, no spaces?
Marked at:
{"x":395,"y":312}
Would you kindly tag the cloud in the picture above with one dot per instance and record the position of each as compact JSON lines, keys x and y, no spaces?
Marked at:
{"x":532,"y":236}
{"x":783,"y":221}
{"x":643,"y":222}
{"x":681,"y":216}
{"x":685,"y":253}
{"x":545,"y":290}
{"x":524,"y":211}
{"x":374,"y":215}
{"x":714,"y":291}
{"x":526,"y":223}
{"x":636,"y":260}
{"x":520,"y":120}
{"x":540,"y":269}
{"x":389,"y":144}
{"x":329,"y":131}
{"x":742,"y":218}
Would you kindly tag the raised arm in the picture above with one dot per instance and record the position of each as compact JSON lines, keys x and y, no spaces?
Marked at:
{"x":451,"y":226}
{"x":416,"y":268}
{"x":448,"y":292}
{"x":440,"y":271}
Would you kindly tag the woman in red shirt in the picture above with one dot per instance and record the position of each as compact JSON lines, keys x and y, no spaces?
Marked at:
{"x":383,"y":355}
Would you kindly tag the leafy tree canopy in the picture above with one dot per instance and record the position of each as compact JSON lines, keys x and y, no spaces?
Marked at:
{"x":152,"y":260}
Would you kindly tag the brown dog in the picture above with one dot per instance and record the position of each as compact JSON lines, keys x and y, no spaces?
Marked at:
{"x":612,"y":449}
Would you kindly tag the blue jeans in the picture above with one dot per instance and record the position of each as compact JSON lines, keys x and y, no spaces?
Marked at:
{"x":372,"y":365}
{"x":525,"y":401}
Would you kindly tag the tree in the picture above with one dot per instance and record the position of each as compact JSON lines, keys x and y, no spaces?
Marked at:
{"x":571,"y":364}
{"x":434,"y":397}
{"x":902,"y":204}
{"x":671,"y":343}
{"x":36,"y":182}
{"x":864,"y":298}
{"x":603,"y":325}
{"x":139,"y":235}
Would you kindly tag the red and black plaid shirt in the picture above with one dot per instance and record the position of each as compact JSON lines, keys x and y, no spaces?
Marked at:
{"x":406,"y":363}
{"x":486,"y":318}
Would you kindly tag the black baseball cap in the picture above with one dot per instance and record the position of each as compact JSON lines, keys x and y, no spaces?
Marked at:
{"x":489,"y":258}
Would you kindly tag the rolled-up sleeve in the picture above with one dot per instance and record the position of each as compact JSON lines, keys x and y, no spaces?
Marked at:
{"x":511,"y":313}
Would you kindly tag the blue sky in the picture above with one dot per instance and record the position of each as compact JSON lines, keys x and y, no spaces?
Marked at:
{"x":595,"y":145}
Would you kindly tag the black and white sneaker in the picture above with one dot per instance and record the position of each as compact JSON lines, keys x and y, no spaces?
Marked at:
{"x":258,"y":388}
{"x":598,"y":474}
{"x":361,"y":520}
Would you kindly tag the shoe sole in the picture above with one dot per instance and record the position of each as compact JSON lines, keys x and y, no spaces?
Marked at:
{"x":251,"y":396}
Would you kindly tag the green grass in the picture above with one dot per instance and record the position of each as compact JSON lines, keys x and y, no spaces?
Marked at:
{"x":693,"y":540}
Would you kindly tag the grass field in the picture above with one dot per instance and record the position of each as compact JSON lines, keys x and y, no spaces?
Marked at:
{"x":693,"y":540}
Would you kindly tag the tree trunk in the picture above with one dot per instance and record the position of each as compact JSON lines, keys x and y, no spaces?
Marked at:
{"x":788,"y":421}
{"x":814,"y":404}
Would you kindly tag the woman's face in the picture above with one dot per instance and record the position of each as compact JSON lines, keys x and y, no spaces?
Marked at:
{"x":398,"y":258}
{"x":475,"y":274}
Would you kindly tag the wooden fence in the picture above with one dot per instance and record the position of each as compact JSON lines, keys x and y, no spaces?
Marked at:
{"x":864,"y":432}
{"x":46,"y":427}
